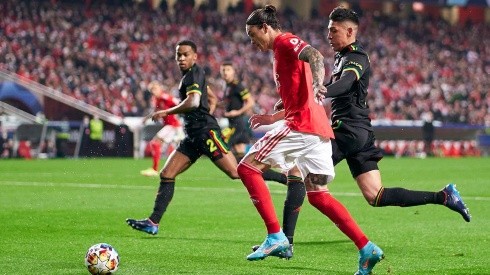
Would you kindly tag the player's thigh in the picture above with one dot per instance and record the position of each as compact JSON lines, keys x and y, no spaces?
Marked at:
{"x":317,"y":163}
{"x":176,"y":163}
{"x":227,"y":163}
{"x":311,"y":186}
{"x":250,"y":159}
{"x":240,"y":148}
{"x":279,"y":147}
{"x":349,"y":139}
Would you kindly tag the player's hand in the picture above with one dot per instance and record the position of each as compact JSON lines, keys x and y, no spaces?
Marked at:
{"x":320,"y":92}
{"x":157,"y":115}
{"x":279,"y":105}
{"x":259,"y":120}
{"x":232,"y":113}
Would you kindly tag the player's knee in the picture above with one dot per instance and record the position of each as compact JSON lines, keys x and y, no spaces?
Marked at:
{"x":233,"y":174}
{"x":318,"y":179}
{"x":230,"y":171}
{"x":244,"y":169}
{"x":241,"y":169}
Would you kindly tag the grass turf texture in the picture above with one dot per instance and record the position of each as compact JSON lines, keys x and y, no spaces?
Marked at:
{"x":52,"y":211}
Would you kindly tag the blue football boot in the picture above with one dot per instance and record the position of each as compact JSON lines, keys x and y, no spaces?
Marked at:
{"x":274,"y":243}
{"x":145,"y":225}
{"x":369,"y":256}
{"x":287,"y":254}
{"x":455,"y":202}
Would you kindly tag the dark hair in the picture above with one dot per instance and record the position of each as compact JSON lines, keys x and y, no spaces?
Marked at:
{"x":227,"y":63}
{"x":188,"y":43}
{"x":341,"y":14}
{"x":265,"y":15}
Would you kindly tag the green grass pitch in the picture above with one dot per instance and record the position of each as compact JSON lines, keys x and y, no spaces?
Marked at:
{"x":52,"y":211}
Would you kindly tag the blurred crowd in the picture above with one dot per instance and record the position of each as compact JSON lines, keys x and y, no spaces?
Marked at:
{"x":106,"y":55}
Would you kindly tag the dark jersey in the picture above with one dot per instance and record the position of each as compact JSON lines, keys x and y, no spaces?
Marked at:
{"x":199,"y":119}
{"x":349,"y":98}
{"x":235,"y":94}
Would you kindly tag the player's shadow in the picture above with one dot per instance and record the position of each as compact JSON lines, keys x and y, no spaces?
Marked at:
{"x":244,"y":241}
{"x":308,"y":270}
{"x":318,"y":243}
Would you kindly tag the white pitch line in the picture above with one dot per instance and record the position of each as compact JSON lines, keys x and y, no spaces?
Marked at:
{"x":153,"y":187}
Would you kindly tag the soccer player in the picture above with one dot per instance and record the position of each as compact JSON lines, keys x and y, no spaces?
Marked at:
{"x":172,"y":130}
{"x":203,"y":135}
{"x":354,"y":137}
{"x":302,"y":141}
{"x":238,"y":101}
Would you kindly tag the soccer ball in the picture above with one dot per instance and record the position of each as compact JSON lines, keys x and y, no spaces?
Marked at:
{"x":101,"y":258}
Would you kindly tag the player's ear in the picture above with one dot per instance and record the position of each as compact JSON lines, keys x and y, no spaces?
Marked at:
{"x":350,"y":31}
{"x":264,"y":27}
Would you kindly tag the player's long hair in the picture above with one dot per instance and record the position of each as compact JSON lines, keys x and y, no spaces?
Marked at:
{"x":265,"y":15}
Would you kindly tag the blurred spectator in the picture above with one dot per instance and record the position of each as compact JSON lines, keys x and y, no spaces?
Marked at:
{"x":24,"y":149}
{"x":96,"y":127}
{"x":62,"y":137}
{"x":428,"y":132}
{"x":106,"y":52}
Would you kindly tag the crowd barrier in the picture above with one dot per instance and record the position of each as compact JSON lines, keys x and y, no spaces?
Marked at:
{"x":46,"y":140}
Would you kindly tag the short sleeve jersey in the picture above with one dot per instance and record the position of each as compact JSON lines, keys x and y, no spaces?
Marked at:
{"x":351,"y":107}
{"x":294,"y":84}
{"x":194,"y":81}
{"x":166,"y":101}
{"x":235,"y":95}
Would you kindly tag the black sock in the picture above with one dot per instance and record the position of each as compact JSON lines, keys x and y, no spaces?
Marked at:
{"x":275,"y":176}
{"x":164,"y":196}
{"x":405,"y":198}
{"x":292,"y":205}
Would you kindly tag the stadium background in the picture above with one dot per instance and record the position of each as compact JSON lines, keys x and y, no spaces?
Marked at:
{"x":62,"y":61}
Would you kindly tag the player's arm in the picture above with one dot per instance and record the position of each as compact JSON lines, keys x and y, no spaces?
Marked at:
{"x":315,"y":59}
{"x":248,"y":104}
{"x":190,"y":103}
{"x":354,"y":67}
{"x":260,"y":120}
{"x":153,"y":106}
{"x":212,"y":100}
{"x":341,"y":86}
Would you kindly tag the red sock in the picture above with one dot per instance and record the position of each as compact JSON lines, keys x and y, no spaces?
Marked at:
{"x":156,"y":151}
{"x":260,"y":195}
{"x":339,"y":215}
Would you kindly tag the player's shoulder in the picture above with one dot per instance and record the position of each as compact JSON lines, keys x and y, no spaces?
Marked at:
{"x":289,"y":39}
{"x":195,"y":74}
{"x":237,"y":85}
{"x":289,"y":43}
{"x":355,"y":49}
{"x":354,"y":52}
